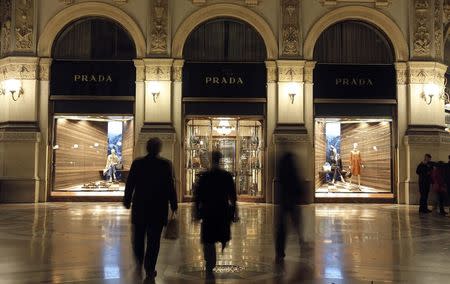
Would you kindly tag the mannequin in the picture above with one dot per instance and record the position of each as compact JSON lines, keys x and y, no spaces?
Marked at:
{"x":336,"y":164}
{"x":111,"y":163}
{"x":355,"y":163}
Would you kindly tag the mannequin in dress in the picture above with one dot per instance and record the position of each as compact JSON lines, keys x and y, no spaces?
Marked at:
{"x":355,"y":163}
{"x":336,"y":164}
{"x":111,"y":163}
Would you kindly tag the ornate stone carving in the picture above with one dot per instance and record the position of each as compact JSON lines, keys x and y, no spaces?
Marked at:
{"x":438,"y":27}
{"x":290,"y":138}
{"x":24,"y":12}
{"x":422,"y":38}
{"x":290,"y":28}
{"x":177,"y":70}
{"x":165,"y":137}
{"x":158,"y":69}
{"x":290,"y":70}
{"x":67,"y":2}
{"x":425,"y":72}
{"x":427,"y":139}
{"x":271,"y":71}
{"x":377,"y":3}
{"x":18,"y":70}
{"x":5,"y":31}
{"x":447,"y":11}
{"x":158,"y":43}
{"x":44,"y":69}
{"x":402,"y":73}
{"x":251,"y":2}
{"x":140,"y":70}
{"x":309,"y":71}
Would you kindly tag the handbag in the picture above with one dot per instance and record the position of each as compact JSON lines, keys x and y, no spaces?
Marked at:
{"x":172,"y":228}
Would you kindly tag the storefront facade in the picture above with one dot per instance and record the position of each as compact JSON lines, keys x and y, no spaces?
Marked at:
{"x":250,"y":78}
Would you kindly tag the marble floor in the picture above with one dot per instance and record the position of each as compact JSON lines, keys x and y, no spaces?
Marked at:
{"x":346,"y":243}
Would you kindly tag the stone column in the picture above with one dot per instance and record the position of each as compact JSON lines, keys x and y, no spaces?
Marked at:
{"x":19,"y":132}
{"x":157,"y":107}
{"x":426,"y":122}
{"x":178,"y":123}
{"x":290,"y":133}
{"x":271,"y":123}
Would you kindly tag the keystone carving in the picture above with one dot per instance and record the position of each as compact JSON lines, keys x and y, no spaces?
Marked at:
{"x":24,"y":15}
{"x":290,"y":28}
{"x":158,"y":43}
{"x":422,"y":38}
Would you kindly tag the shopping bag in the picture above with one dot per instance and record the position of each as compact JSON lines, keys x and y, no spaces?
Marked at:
{"x":172,"y":228}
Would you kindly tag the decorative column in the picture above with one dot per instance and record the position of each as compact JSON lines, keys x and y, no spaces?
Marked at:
{"x":290,"y":133}
{"x":271,"y":123}
{"x":157,"y":106}
{"x":178,"y":122}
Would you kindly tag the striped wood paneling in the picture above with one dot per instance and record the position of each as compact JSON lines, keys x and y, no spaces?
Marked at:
{"x":127,"y":144}
{"x":75,"y":166}
{"x":377,"y":161}
{"x":320,"y":154}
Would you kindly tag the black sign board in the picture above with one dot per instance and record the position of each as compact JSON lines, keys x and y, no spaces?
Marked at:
{"x":92,"y":78}
{"x":224,"y":80}
{"x":333,"y":81}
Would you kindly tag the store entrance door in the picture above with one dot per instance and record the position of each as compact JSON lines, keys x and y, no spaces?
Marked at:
{"x":241,"y":143}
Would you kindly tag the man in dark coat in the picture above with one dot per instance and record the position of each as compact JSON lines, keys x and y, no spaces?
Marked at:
{"x":215,"y":205}
{"x":149,"y":189}
{"x":288,"y":198}
{"x":424,"y":171}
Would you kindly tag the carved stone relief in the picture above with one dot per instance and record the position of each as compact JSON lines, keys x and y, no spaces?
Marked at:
{"x":158,"y":69}
{"x":377,"y":3}
{"x":422,"y":37}
{"x":271,"y":71}
{"x":24,"y":12}
{"x":446,"y":11}
{"x":26,"y":71}
{"x":309,"y":70}
{"x":5,"y":31}
{"x":438,"y":28}
{"x":158,"y":43}
{"x":290,"y":70}
{"x":177,"y":70}
{"x":402,"y":73}
{"x":290,"y":28}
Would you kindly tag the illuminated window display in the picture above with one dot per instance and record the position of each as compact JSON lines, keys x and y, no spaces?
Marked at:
{"x":239,"y":141}
{"x":91,"y":154}
{"x":353,"y":156}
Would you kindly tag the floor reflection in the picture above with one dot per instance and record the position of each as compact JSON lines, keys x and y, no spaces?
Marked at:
{"x":351,"y":243}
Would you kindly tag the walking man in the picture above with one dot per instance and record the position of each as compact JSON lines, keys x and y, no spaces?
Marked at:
{"x":215,"y":205}
{"x":149,"y":189}
{"x":424,"y":171}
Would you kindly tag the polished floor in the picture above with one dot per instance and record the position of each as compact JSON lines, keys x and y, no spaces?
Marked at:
{"x":350,"y":243}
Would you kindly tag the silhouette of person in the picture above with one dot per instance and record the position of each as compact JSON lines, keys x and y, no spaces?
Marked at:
{"x":288,"y":197}
{"x":215,"y":205}
{"x":438,"y":185}
{"x":424,"y":171}
{"x":149,"y":189}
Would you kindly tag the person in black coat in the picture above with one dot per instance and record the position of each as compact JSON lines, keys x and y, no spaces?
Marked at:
{"x":215,"y":205}
{"x":288,"y":197}
{"x":424,"y":171}
{"x":149,"y":189}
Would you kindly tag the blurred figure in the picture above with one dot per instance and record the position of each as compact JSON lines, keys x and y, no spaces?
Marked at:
{"x":439,"y":187}
{"x":149,"y":189}
{"x":215,"y":205}
{"x":447,"y":180}
{"x":424,"y":172}
{"x":288,"y":197}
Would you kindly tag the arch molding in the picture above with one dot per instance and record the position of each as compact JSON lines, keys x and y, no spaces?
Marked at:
{"x":224,"y":10}
{"x":360,"y":13}
{"x":88,"y":9}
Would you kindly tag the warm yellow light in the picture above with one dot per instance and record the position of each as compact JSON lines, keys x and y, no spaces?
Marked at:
{"x":154,"y":88}
{"x":13,"y":87}
{"x":431,"y":89}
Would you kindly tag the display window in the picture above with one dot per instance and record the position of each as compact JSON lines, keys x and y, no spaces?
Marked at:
{"x":241,"y":143}
{"x":92,"y":155}
{"x":353,"y":156}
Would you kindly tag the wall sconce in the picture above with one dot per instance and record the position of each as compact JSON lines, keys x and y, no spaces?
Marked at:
{"x":433,"y":89}
{"x":154,"y":89}
{"x":292,"y":97}
{"x":13,"y":87}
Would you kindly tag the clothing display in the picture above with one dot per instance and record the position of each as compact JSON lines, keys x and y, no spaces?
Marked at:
{"x":111,"y":162}
{"x":355,"y":162}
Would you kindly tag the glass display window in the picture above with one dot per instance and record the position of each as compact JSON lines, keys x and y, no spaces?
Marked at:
{"x":353,"y":155}
{"x":92,"y":155}
{"x":241,"y":143}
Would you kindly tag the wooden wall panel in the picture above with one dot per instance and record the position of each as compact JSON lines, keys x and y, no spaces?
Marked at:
{"x":73,"y":165}
{"x":127,"y":144}
{"x":374,"y":143}
{"x":320,"y":154}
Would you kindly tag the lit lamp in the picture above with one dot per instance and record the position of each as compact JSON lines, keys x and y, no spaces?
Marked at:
{"x":432,"y":89}
{"x":224,"y":127}
{"x":13,"y":87}
{"x":291,"y":92}
{"x":154,"y":90}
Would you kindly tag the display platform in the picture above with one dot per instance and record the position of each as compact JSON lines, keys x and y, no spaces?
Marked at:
{"x":346,"y":187}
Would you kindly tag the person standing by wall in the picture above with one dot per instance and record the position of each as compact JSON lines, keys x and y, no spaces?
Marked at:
{"x":215,"y":204}
{"x":149,"y":189}
{"x":424,"y":171}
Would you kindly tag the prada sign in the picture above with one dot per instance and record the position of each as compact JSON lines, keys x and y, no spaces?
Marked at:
{"x":224,"y":80}
{"x":333,"y":81}
{"x":92,"y":78}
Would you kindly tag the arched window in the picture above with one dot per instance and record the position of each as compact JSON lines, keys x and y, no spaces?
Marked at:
{"x":94,"y":39}
{"x":225,"y":40}
{"x":353,"y":42}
